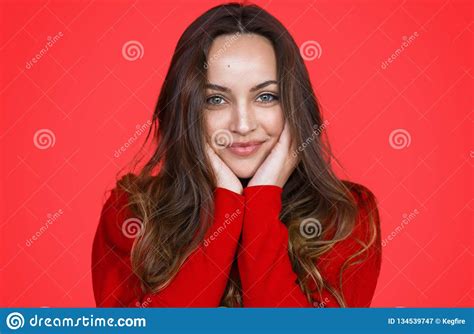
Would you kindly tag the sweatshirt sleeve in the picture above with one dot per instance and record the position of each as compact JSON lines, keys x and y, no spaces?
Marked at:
{"x":208,"y":267}
{"x":267,"y":277}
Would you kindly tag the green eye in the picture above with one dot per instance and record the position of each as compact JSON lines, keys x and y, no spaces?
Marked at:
{"x":215,"y":100}
{"x":267,"y":98}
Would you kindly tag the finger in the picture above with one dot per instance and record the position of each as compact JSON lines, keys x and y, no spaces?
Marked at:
{"x":214,"y":158}
{"x":285,"y":137}
{"x":210,"y":154}
{"x":290,"y":144}
{"x":210,"y":151}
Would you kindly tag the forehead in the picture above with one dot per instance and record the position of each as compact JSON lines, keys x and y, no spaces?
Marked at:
{"x":241,"y":60}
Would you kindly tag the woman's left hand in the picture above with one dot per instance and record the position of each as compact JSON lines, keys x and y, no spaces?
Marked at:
{"x":279,"y":164}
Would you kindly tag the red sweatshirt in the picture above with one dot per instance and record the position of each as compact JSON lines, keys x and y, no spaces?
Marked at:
{"x":263,"y":262}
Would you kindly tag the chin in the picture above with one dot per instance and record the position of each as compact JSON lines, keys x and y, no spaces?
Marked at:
{"x":243,"y":172}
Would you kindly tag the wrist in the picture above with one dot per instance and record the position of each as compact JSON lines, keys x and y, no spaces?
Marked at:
{"x":234,"y":188}
{"x":253,"y":183}
{"x":263,"y":203}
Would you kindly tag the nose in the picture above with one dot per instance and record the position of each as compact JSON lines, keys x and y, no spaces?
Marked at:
{"x":243,"y":119}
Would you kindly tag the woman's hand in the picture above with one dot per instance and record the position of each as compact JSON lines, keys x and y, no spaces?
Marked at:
{"x":224,"y":176}
{"x":279,"y":164}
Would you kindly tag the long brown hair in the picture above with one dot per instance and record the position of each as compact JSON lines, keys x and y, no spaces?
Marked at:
{"x":172,"y":193}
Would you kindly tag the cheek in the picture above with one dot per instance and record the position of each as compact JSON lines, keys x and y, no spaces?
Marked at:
{"x":214,"y":122}
{"x":272,"y":121}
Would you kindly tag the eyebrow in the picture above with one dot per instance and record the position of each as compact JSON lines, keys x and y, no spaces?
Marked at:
{"x":227,"y":90}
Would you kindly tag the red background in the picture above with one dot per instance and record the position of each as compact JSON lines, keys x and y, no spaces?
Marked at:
{"x":92,"y":98}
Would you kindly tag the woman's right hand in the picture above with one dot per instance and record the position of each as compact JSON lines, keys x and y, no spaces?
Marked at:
{"x":224,"y":176}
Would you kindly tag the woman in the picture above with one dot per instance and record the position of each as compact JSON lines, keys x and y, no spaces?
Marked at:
{"x":238,"y":205}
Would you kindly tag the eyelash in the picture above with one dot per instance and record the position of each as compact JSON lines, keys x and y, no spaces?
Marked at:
{"x":275,"y":98}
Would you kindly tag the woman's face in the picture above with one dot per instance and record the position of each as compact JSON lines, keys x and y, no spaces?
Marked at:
{"x":243,"y":115}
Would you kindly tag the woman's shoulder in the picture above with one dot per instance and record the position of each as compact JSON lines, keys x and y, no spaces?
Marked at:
{"x":111,"y":269}
{"x":362,"y":249}
{"x":117,"y":220}
{"x":362,"y":195}
{"x":117,"y":201}
{"x":366,"y":227}
{"x":367,"y":208}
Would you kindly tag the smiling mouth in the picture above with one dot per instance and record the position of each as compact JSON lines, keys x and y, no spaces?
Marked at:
{"x":245,"y":149}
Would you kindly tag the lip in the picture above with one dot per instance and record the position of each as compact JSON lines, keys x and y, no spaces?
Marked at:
{"x":245,"y":149}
